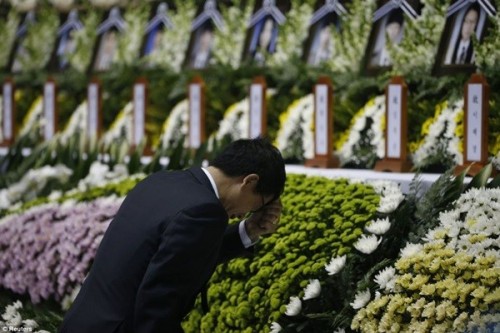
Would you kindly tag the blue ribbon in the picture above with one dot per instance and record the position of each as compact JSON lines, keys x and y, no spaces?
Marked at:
{"x":330,"y":6}
{"x":268,"y":8}
{"x":161,"y":17}
{"x":485,"y":4}
{"x":394,"y":4}
{"x":72,"y":23}
{"x":114,"y":20}
{"x":209,"y":12}
{"x":28,"y":20}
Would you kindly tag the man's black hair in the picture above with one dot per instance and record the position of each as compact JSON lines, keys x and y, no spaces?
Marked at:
{"x":259,"y":156}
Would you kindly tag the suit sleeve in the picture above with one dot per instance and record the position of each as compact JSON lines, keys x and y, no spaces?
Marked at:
{"x":185,"y":258}
{"x":232,"y":246}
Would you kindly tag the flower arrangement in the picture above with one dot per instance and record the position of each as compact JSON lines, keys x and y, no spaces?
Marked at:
{"x":442,"y":142}
{"x":76,"y":124}
{"x":84,"y":42}
{"x":174,"y":42}
{"x":322,"y":218}
{"x":47,"y":250}
{"x":421,"y":38}
{"x":390,"y":198}
{"x":121,"y":129}
{"x":130,"y":41}
{"x":7,"y":34}
{"x":235,"y":122}
{"x":13,"y":321}
{"x":449,"y":283}
{"x":31,"y":122}
{"x":32,"y":184}
{"x":486,"y":57}
{"x":229,"y":42}
{"x":295,"y":137}
{"x":39,"y":40}
{"x":349,"y":43}
{"x":363,"y":143}
{"x":175,"y":128}
{"x":292,"y":33}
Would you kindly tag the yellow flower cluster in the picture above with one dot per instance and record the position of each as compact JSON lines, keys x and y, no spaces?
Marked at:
{"x":437,"y":289}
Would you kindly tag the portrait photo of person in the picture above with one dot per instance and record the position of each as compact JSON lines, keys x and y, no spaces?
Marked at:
{"x":107,"y":50}
{"x":264,"y":40}
{"x":202,"y":49}
{"x":321,"y":48}
{"x":469,"y":21}
{"x":66,"y":47}
{"x":153,"y":40}
{"x":390,"y":33}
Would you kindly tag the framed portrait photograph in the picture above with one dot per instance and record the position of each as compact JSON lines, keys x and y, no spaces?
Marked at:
{"x":201,"y":50}
{"x":203,"y":31}
{"x":65,"y":44}
{"x":324,"y":23}
{"x":465,"y":22}
{"x":262,"y":36}
{"x":109,"y":32}
{"x":155,"y":30}
{"x":387,"y":29}
{"x":19,"y":54}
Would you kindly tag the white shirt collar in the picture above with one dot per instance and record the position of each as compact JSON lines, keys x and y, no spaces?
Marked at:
{"x":212,"y":181}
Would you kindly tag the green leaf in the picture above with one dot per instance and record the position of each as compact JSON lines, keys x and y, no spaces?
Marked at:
{"x":495,"y":183}
{"x":481,"y":178}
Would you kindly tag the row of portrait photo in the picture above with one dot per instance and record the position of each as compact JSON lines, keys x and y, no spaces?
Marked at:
{"x":466,"y":24}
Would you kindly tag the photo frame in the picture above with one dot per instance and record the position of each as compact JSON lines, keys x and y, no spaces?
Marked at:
{"x":325,"y":21}
{"x":203,"y":31}
{"x":159,"y":21}
{"x":106,"y":46}
{"x":263,"y":30}
{"x":65,"y":43}
{"x":456,"y":48}
{"x":388,"y":27}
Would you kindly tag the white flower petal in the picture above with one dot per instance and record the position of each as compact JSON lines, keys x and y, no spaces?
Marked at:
{"x":294,"y":307}
{"x":335,"y":265}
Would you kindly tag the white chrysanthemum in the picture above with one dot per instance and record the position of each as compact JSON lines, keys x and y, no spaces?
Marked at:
{"x":361,"y":299}
{"x":375,"y":110}
{"x":32,"y":183}
{"x":367,"y":244}
{"x":298,"y":118}
{"x":275,"y":327}
{"x":335,"y":265}
{"x":410,"y":250}
{"x":294,"y":307}
{"x":379,"y":226}
{"x":390,"y":195}
{"x":339,"y":330}
{"x":441,"y":134}
{"x":30,"y":324}
{"x":176,"y":126}
{"x":312,"y":290}
{"x":386,"y":278}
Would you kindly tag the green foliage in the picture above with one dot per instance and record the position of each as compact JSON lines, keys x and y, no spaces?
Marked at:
{"x":322,"y":218}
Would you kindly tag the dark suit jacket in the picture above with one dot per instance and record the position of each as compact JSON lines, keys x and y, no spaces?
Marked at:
{"x":158,"y":252}
{"x":468,"y":53}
